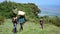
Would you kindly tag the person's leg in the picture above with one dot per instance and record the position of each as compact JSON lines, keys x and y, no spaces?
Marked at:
{"x":42,"y":26}
{"x":15,"y":30}
{"x":21,"y":26}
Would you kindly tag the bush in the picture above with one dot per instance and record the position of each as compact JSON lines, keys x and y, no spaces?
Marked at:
{"x":1,"y":20}
{"x":52,"y":20}
{"x":56,"y":21}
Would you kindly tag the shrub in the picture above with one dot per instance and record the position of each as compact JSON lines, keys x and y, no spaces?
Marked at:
{"x":56,"y":21}
{"x":52,"y":20}
{"x":1,"y":20}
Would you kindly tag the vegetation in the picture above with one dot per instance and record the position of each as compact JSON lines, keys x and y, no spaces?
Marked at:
{"x":29,"y":28}
{"x":6,"y":10}
{"x":1,"y":20}
{"x":7,"y":7}
{"x":52,"y":20}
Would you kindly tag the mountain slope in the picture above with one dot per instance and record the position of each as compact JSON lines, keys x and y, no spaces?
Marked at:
{"x":29,"y":28}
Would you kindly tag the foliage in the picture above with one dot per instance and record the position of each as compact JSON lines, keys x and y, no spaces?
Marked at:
{"x":56,"y":21}
{"x":52,"y":20}
{"x":1,"y":20}
{"x":29,"y":28}
{"x":6,"y":9}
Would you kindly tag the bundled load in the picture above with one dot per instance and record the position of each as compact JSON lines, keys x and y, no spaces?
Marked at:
{"x":21,"y":13}
{"x":15,"y":11}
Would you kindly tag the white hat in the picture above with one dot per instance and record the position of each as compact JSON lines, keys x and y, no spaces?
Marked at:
{"x":21,"y":13}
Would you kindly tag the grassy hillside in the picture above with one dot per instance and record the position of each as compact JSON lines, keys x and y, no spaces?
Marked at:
{"x":29,"y":28}
{"x":31,"y":10}
{"x":6,"y":9}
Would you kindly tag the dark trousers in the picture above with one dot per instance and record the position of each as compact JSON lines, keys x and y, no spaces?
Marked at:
{"x":41,"y":25}
{"x":14,"y":29}
{"x":21,"y":26}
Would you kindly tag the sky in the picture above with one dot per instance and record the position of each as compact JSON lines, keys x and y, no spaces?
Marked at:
{"x":37,"y":2}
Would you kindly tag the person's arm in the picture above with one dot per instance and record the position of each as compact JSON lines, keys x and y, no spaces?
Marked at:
{"x":25,"y":18}
{"x":17,"y":19}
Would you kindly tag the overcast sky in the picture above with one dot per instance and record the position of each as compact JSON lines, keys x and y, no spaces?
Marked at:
{"x":37,"y":2}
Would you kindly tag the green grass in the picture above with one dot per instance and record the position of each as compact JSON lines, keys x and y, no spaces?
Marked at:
{"x":29,"y":28}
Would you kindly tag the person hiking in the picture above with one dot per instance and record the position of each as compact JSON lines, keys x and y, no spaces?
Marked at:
{"x":14,"y":20}
{"x":21,"y":19}
{"x":41,"y":22}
